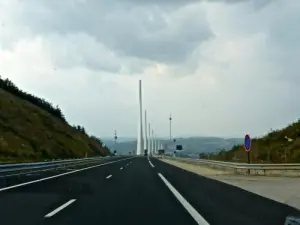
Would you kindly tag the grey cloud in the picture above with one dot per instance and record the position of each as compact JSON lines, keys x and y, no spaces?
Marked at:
{"x":125,"y":28}
{"x":128,"y":27}
{"x":258,"y":4}
{"x":102,"y":35}
{"x":283,"y":46}
{"x":82,"y":50}
{"x":162,"y":2}
{"x":165,"y":31}
{"x":171,"y":44}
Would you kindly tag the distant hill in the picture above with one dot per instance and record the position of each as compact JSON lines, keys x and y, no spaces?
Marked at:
{"x":120,"y":139}
{"x":121,"y":147}
{"x":190,"y":145}
{"x":272,"y":148}
{"x":31,"y":129}
{"x":203,"y":144}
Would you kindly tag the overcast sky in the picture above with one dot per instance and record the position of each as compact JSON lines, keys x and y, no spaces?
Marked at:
{"x":222,"y":67}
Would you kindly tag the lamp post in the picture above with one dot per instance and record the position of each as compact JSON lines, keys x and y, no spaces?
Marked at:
{"x":149,"y":140}
{"x":140,"y":141}
{"x":146,"y":136}
{"x":170,"y":118}
{"x":115,"y":143}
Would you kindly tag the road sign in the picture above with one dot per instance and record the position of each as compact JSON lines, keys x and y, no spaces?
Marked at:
{"x":247,"y":143}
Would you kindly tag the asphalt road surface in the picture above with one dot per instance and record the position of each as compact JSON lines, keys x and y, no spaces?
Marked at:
{"x":136,"y":191}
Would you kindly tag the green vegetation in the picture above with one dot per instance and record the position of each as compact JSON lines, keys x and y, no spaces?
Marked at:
{"x":272,"y":148}
{"x":31,"y":129}
{"x":10,"y":87}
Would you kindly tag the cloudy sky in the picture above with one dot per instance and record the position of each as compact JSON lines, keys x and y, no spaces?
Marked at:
{"x":222,"y":67}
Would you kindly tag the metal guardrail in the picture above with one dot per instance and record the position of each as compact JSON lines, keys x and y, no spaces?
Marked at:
{"x":239,"y":166}
{"x":25,"y":168}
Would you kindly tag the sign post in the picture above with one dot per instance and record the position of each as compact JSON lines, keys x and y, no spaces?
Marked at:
{"x":247,"y":146}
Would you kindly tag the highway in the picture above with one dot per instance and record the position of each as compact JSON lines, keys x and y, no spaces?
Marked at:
{"x":134,"y":190}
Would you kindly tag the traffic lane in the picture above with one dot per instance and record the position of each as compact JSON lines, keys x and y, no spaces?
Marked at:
{"x":14,"y":180}
{"x":72,"y":182}
{"x":29,"y":204}
{"x":220,"y":203}
{"x":138,"y":196}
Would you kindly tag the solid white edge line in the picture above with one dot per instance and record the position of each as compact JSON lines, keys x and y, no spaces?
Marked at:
{"x":109,"y":176}
{"x":58,"y":175}
{"x":151,"y":164}
{"x":60,"y":208}
{"x":192,"y":211}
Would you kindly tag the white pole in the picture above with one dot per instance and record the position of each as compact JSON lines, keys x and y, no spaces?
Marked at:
{"x":140,"y":142}
{"x":170,"y":118}
{"x":149,"y":140}
{"x":153,"y":143}
{"x":146,"y":138}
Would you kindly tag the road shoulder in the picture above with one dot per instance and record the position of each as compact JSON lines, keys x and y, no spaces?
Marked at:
{"x":281,"y":189}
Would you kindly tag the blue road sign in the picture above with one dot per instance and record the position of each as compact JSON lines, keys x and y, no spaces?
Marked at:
{"x":247,"y":143}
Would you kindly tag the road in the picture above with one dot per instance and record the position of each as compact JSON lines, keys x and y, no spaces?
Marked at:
{"x":135,"y":190}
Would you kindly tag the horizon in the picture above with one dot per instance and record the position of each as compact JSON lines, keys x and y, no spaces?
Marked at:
{"x":168,"y":139}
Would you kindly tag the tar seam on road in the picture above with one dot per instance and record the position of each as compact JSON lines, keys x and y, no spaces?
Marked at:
{"x":151,"y":163}
{"x":58,"y":175}
{"x":60,"y":208}
{"x":109,"y":176}
{"x":192,"y":211}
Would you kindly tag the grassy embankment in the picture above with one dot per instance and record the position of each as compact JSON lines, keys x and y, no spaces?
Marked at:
{"x":30,"y":133}
{"x":272,"y":148}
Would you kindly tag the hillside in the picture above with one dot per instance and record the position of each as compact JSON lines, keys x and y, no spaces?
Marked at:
{"x":272,"y":148}
{"x":203,"y":144}
{"x":32,"y":130}
{"x":121,"y":147}
{"x":193,"y":145}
